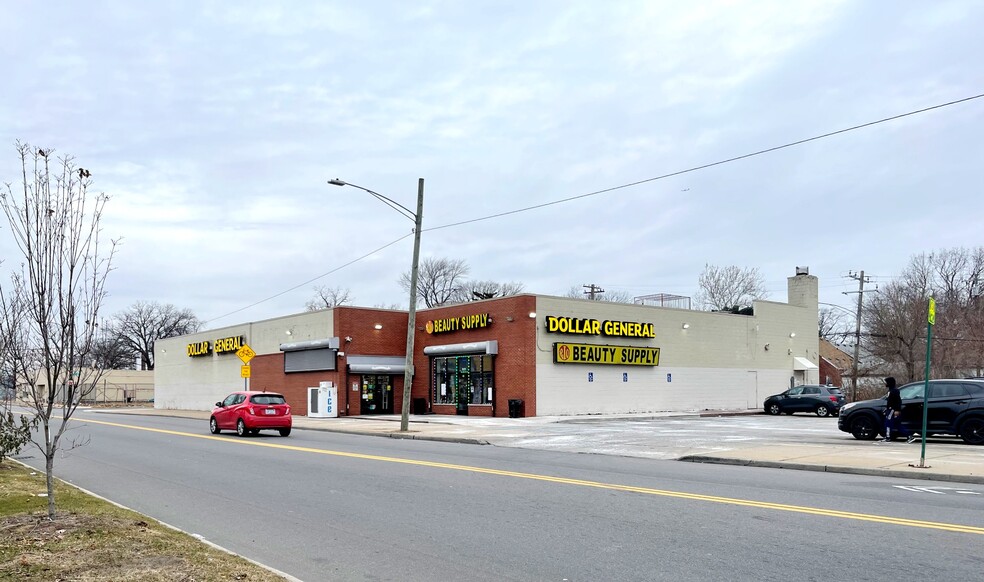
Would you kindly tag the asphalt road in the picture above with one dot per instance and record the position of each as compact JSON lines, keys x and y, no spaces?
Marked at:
{"x":328,"y":506}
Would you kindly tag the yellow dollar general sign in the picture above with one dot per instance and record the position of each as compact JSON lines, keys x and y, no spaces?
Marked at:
{"x":932,"y":311}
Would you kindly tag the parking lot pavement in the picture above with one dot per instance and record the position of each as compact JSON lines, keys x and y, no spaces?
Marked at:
{"x":802,"y":442}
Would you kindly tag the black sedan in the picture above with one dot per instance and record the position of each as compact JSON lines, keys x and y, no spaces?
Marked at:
{"x":820,"y":400}
{"x":956,"y":407}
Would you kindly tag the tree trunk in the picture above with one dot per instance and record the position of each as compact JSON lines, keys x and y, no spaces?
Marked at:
{"x":49,"y":467}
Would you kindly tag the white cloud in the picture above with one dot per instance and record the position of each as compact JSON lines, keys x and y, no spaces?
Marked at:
{"x":214,"y":128}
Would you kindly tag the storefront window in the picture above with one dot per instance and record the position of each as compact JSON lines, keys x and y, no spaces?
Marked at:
{"x":457,"y":379}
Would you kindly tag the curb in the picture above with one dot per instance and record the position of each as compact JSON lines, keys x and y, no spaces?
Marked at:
{"x":195,"y":536}
{"x":421,"y":437}
{"x":976,"y":479}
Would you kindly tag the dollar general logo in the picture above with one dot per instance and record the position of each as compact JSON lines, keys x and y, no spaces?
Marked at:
{"x":609,"y":327}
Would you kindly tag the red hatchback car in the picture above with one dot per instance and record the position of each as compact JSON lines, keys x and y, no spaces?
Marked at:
{"x":250,"y":412}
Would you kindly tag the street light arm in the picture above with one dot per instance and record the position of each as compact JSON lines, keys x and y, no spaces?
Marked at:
{"x":391,"y":203}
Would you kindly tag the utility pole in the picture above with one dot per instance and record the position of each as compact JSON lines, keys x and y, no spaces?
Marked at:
{"x":592,"y":290}
{"x":861,"y":279}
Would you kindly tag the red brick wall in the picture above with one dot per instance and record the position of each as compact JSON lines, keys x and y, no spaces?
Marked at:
{"x":828,"y":370}
{"x":359,"y":324}
{"x":515,"y":365}
{"x":268,"y":374}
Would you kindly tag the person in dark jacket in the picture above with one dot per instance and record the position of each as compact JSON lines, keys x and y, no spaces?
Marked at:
{"x":893,"y":414}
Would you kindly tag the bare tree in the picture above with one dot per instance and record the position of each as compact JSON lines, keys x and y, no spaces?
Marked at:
{"x":328,"y":297}
{"x":611,"y":296}
{"x":145,"y":322}
{"x":52,"y":304}
{"x":729,"y":288}
{"x":110,"y":353}
{"x":15,"y":431}
{"x":477,"y":290}
{"x":895,"y":318}
{"x":439,"y":281}
{"x":834,"y":326}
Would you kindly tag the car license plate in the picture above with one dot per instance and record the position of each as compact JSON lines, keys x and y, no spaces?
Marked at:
{"x":269,"y":411}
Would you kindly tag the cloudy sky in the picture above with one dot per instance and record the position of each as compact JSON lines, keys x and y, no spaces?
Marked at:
{"x":214,"y":127}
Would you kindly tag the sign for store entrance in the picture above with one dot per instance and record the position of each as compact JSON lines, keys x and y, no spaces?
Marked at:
{"x":449,"y":324}
{"x":565,"y":353}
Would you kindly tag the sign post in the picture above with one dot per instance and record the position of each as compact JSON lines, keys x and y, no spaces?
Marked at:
{"x":930,"y":322}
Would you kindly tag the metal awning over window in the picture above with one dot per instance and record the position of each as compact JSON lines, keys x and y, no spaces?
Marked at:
{"x":377,"y":364}
{"x":803,"y":364}
{"x":330,"y":343}
{"x":490,"y":347}
{"x":310,"y":356}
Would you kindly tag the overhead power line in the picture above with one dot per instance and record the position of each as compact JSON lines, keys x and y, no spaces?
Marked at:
{"x":614,"y":188}
{"x":312,"y":280}
{"x":710,"y":165}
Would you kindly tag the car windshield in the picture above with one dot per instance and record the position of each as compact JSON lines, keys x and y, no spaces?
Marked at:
{"x":267,"y":399}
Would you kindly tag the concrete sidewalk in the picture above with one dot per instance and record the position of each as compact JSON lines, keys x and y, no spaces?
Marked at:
{"x":950,"y":461}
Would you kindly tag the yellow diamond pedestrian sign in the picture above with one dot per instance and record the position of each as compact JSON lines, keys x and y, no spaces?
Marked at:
{"x":245,"y":353}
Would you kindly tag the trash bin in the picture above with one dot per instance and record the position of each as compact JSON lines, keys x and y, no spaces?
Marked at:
{"x":515,"y":408}
{"x":419,"y":406}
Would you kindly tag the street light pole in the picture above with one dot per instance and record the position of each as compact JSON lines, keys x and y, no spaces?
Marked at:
{"x":417,"y":218}
{"x":412,"y":315}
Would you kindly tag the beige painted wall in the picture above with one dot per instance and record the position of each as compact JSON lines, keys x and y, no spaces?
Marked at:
{"x":720,"y":361}
{"x":196,"y":383}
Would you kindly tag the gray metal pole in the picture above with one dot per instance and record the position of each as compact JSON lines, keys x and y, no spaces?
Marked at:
{"x":412,"y":316}
{"x":857,"y":340}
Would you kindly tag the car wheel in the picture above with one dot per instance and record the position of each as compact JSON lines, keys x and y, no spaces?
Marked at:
{"x":285,"y":432}
{"x":972,"y":430}
{"x":864,"y":428}
{"x":822,"y":410}
{"x":774,"y":409}
{"x":241,"y":428}
{"x":213,"y":426}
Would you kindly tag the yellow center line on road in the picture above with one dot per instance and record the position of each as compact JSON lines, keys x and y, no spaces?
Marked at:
{"x":950,"y":527}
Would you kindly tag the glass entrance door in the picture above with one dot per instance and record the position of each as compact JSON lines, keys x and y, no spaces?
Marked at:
{"x":377,"y":394}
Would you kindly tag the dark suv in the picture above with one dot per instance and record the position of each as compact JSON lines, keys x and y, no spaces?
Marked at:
{"x":955,"y":407}
{"x":820,"y":400}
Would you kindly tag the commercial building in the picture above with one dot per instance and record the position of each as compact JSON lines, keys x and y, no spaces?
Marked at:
{"x":525,"y":354}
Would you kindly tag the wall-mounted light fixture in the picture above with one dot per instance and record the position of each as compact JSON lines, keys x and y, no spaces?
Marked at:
{"x":686,"y":326}
{"x":348,"y":338}
{"x":792,"y":334}
{"x":532,"y":315}
{"x":378,"y":326}
{"x":289,"y":332}
{"x":509,"y":318}
{"x":766,"y":347}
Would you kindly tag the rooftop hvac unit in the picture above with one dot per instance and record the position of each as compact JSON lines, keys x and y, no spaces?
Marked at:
{"x":323,"y":401}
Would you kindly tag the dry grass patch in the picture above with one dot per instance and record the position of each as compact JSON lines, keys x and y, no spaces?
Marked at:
{"x":92,"y":540}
